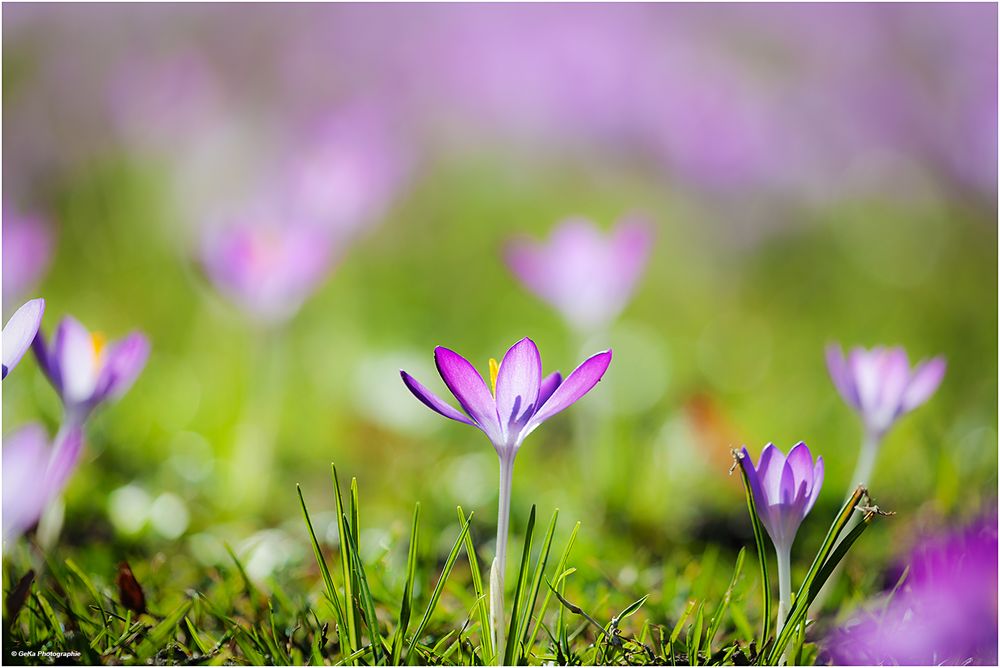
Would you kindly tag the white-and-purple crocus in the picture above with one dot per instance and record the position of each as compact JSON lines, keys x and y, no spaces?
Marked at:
{"x":784,"y":490}
{"x":519,"y":400}
{"x":34,"y":474}
{"x":585,"y":274}
{"x":20,"y":332}
{"x":87,"y":370}
{"x":880,"y":386}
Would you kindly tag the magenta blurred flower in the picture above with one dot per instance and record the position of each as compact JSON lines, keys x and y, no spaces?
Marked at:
{"x":588,"y":276}
{"x":265,"y":268}
{"x":344,"y":171}
{"x":27,"y":246}
{"x":34,"y":474}
{"x":20,"y":331}
{"x":784,"y":490}
{"x":945,"y":612}
{"x":86,"y":370}
{"x":519,"y":401}
{"x":879,"y":384}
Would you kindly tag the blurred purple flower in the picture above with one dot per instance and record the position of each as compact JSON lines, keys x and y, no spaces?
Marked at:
{"x":266,"y":268}
{"x":86,"y":370}
{"x":945,"y":612}
{"x":34,"y":474}
{"x":27,"y":246}
{"x":879,"y":384}
{"x":588,"y":276}
{"x":343,"y":171}
{"x":520,"y":400}
{"x":20,"y":331}
{"x":784,"y":490}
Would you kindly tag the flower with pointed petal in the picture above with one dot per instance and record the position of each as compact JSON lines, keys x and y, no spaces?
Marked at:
{"x":34,"y":474}
{"x":20,"y":331}
{"x":85,"y":370}
{"x":879,"y":384}
{"x":586,"y":275}
{"x":520,"y":400}
{"x":784,"y":491}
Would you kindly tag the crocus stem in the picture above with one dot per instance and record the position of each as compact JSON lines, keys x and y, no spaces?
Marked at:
{"x":497,"y":574}
{"x":784,"y":585}
{"x":866,"y":461}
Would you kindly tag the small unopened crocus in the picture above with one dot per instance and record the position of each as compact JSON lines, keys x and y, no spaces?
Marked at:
{"x":784,"y":490}
{"x":20,"y":331}
{"x":585,"y":274}
{"x":34,"y":474}
{"x":944,"y":613}
{"x":27,"y":245}
{"x":880,"y":386}
{"x":87,"y":370}
{"x":267,"y":268}
{"x":515,"y":403}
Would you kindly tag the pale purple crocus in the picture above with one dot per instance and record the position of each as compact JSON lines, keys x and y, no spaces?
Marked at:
{"x":20,"y":332}
{"x":880,"y":386}
{"x":519,"y":400}
{"x":944,"y":613}
{"x":35,"y":474}
{"x":784,"y":490}
{"x":87,"y":370}
{"x":27,"y":246}
{"x":585,"y":274}
{"x":266,"y":268}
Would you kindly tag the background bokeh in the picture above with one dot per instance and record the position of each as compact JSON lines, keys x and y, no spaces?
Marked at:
{"x":813,"y":173}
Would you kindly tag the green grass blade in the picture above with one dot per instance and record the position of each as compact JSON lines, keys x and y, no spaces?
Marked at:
{"x":720,"y":611}
{"x":331,"y":590}
{"x":805,"y":594}
{"x":350,"y":601}
{"x":508,"y":656}
{"x":484,"y":603}
{"x":438,"y":588}
{"x":406,"y":605}
{"x":758,"y":536}
{"x":694,"y":636}
{"x":160,"y":634}
{"x":367,"y":602}
{"x":536,"y":583}
{"x":560,"y":568}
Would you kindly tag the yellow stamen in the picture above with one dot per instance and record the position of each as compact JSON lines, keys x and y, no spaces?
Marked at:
{"x":97,"y":340}
{"x":494,"y":370}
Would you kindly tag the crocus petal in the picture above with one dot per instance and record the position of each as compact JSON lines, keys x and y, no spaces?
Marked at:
{"x":753,"y":476}
{"x":518,"y":383}
{"x":840,"y":374}
{"x":63,"y":462}
{"x":547,"y":387}
{"x":46,"y":361}
{"x":817,"y":484}
{"x":864,"y":367}
{"x":577,"y":384}
{"x":469,"y":389}
{"x":25,"y":455}
{"x":800,"y":461}
{"x":894,"y":374}
{"x":769,"y":469}
{"x":20,"y":331}
{"x":432,"y":401}
{"x":923,"y":383}
{"x":123,"y":361}
{"x":77,"y":360}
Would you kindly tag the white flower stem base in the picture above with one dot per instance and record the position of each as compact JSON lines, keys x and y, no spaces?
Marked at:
{"x":784,"y":588}
{"x":499,"y":568}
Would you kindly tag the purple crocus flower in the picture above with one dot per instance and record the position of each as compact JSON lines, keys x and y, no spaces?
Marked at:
{"x":85,"y":369}
{"x":588,"y":276}
{"x":27,"y":246}
{"x":267,"y":269}
{"x":520,"y":400}
{"x":880,"y":386}
{"x":944,"y":613}
{"x":34,"y":474}
{"x":20,"y":331}
{"x":784,"y":490}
